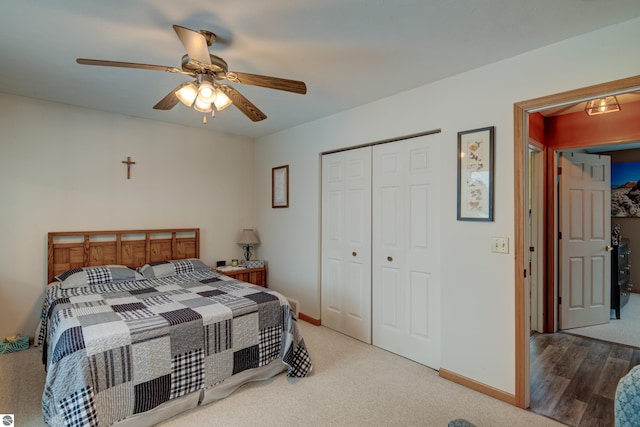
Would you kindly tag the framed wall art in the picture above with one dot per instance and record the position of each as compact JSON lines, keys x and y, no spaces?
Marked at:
{"x":475,"y":174}
{"x":280,"y":187}
{"x":625,"y":190}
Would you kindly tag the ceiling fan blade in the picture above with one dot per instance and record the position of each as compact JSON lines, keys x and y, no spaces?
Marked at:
{"x":294,"y":86}
{"x":195,"y":44}
{"x":171,"y":100}
{"x":100,"y":62}
{"x":243,"y":104}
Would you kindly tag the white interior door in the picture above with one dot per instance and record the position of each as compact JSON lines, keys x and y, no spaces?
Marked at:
{"x":346,"y":243}
{"x":406,"y":258}
{"x":585,"y":224}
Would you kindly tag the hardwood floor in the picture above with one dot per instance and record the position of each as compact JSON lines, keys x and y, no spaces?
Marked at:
{"x":574,"y":379}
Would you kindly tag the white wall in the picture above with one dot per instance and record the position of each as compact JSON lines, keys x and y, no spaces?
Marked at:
{"x":478,"y":335}
{"x":61,"y":170}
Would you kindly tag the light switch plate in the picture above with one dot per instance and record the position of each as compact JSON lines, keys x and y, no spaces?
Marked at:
{"x":500,"y":245}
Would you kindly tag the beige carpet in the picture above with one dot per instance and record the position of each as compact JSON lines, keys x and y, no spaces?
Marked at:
{"x":352,"y":384}
{"x":625,"y":330}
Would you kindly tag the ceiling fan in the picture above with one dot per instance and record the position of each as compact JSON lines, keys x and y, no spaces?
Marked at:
{"x":206,"y":93}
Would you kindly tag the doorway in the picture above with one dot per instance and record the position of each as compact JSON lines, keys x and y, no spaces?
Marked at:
{"x":522,"y":234}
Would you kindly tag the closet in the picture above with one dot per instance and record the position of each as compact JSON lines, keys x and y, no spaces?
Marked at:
{"x":380,"y":275}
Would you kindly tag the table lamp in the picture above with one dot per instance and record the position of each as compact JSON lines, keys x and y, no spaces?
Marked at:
{"x":248,"y":240}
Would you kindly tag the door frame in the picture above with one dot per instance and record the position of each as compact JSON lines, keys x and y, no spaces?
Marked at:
{"x":521,"y":111}
{"x":535,"y":280}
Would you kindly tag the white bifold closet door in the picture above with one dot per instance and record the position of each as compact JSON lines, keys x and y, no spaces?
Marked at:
{"x":346,"y":242}
{"x":406,"y":255}
{"x":380,"y":246}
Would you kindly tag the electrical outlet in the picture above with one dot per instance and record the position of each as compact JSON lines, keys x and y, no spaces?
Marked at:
{"x":500,"y":245}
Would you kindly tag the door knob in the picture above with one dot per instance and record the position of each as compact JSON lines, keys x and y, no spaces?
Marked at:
{"x":609,"y":248}
{"x":354,"y":253}
{"x":389,"y":258}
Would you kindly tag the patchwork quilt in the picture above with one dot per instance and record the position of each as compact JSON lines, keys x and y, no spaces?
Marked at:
{"x":116,"y":349}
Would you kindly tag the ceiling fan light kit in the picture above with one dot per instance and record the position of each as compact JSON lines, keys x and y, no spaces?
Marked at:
{"x":206,"y":94}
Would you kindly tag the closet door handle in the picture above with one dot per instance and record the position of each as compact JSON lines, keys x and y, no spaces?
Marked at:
{"x":389,"y":258}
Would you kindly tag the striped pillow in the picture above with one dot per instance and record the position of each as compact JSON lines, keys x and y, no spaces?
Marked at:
{"x":86,"y":276}
{"x":158,"y":269}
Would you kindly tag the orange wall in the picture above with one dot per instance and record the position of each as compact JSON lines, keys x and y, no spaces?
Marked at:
{"x":576,"y":130}
{"x":536,"y":127}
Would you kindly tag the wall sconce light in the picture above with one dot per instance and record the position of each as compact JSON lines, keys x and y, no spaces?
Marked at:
{"x":248,"y":240}
{"x":608,"y":104}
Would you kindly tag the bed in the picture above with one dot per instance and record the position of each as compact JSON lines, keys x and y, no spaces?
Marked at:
{"x":135,"y":328}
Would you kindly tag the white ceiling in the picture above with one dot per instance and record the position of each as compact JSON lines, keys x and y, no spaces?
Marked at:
{"x":349,"y":52}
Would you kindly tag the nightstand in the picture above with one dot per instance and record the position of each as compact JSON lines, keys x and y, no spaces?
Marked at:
{"x":256,"y":276}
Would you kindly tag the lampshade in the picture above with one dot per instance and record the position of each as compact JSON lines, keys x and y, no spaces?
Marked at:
{"x":187,"y":94}
{"x":608,"y":104}
{"x":222,"y":101}
{"x":206,"y":92}
{"x":201,"y":105}
{"x":249,"y":237}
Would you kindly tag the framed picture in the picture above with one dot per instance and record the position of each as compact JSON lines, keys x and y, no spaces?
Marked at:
{"x":625,"y":190}
{"x":475,"y":174}
{"x":280,"y":187}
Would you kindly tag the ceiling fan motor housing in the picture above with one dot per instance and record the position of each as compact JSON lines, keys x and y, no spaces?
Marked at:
{"x":218,"y":67}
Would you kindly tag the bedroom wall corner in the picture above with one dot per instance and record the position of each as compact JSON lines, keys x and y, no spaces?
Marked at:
{"x":61,"y":170}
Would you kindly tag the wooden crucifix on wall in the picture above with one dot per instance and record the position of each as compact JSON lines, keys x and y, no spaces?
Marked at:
{"x":128,"y":162}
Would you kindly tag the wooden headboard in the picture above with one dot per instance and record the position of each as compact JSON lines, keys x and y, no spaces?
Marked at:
{"x":133,"y":248}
